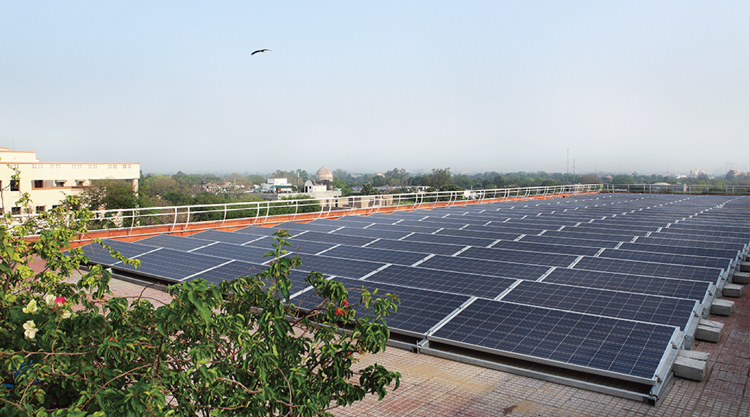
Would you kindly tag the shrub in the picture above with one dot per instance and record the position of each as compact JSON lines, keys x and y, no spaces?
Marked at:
{"x":239,"y":348}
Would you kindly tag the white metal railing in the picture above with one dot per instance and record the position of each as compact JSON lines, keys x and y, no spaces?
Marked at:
{"x":270,"y":211}
{"x":679,"y":189}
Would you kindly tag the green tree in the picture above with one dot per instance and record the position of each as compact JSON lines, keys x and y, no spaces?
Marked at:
{"x":451,"y":187}
{"x":239,"y":348}
{"x":590,"y":179}
{"x":109,"y":195}
{"x":368,"y":189}
{"x":441,"y":177}
{"x":379,"y":181}
{"x":623,"y":179}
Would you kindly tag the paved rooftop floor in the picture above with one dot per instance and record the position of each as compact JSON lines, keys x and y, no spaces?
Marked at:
{"x":432,"y":386}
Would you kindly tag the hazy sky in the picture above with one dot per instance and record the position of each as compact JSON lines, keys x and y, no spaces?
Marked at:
{"x":371,"y":85}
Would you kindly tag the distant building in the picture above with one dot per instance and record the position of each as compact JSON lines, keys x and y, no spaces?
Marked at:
{"x":48,"y":183}
{"x":695,"y":173}
{"x":276,"y":185}
{"x":314,"y":187}
{"x":324,"y":174}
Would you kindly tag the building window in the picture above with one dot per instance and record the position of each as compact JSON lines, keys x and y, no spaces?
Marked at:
{"x":40,"y":209}
{"x":37,"y":184}
{"x":15,"y":185}
{"x":59,"y":183}
{"x":80,"y":183}
{"x":15,"y":210}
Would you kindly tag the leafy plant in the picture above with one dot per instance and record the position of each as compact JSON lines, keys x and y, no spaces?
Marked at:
{"x":239,"y":348}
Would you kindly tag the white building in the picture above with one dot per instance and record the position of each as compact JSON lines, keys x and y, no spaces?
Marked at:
{"x":276,"y":185}
{"x":313,"y":187}
{"x":48,"y":183}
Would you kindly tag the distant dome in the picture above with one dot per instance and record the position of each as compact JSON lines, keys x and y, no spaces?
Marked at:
{"x":324,"y":174}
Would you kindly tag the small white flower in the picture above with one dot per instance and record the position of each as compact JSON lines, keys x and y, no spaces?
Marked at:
{"x":30,"y":329}
{"x":66,"y":314}
{"x":49,"y":299}
{"x":31,"y":307}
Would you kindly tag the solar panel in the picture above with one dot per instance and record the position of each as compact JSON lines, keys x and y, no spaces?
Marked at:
{"x":722,"y":235}
{"x":172,"y":265}
{"x":593,"y":243}
{"x":569,"y":249}
{"x":607,"y":237}
{"x":450,"y":240}
{"x":516,"y":256}
{"x":486,"y":234}
{"x":623,"y":305}
{"x":709,"y":244}
{"x":331,"y":238}
{"x":482,"y":267}
{"x":230,"y":271}
{"x":300,"y":245}
{"x":649,"y":269}
{"x":680,"y":250}
{"x":348,"y":268}
{"x":98,"y":255}
{"x":572,"y":340}
{"x":419,"y":310}
{"x":228,"y":237}
{"x":668,"y":287}
{"x":376,"y":255}
{"x":372,"y":233}
{"x":666,"y":258}
{"x":257,"y":231}
{"x":403,"y":228}
{"x":240,"y":253}
{"x":174,"y":242}
{"x":444,"y":281}
{"x":296,"y":227}
{"x":420,"y":247}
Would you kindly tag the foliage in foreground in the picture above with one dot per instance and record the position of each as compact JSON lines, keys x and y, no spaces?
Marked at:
{"x":240,"y":348}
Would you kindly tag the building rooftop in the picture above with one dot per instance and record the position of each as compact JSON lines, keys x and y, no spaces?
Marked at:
{"x":435,"y":386}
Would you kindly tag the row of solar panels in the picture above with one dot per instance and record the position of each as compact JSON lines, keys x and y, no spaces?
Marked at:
{"x":448,"y":273}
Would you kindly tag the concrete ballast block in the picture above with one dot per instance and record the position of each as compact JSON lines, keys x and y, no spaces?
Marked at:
{"x":709,"y":331}
{"x":732,"y":290}
{"x":722,"y":307}
{"x":695,"y":355}
{"x":745,"y":266}
{"x":741,"y":278}
{"x":688,"y":368}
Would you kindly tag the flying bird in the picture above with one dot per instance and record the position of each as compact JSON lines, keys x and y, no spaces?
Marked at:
{"x":259,"y":51}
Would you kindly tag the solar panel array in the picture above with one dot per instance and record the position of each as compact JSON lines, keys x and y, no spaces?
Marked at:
{"x":600,"y":284}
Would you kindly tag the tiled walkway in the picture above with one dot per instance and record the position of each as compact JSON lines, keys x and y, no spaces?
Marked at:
{"x":434,"y":387}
